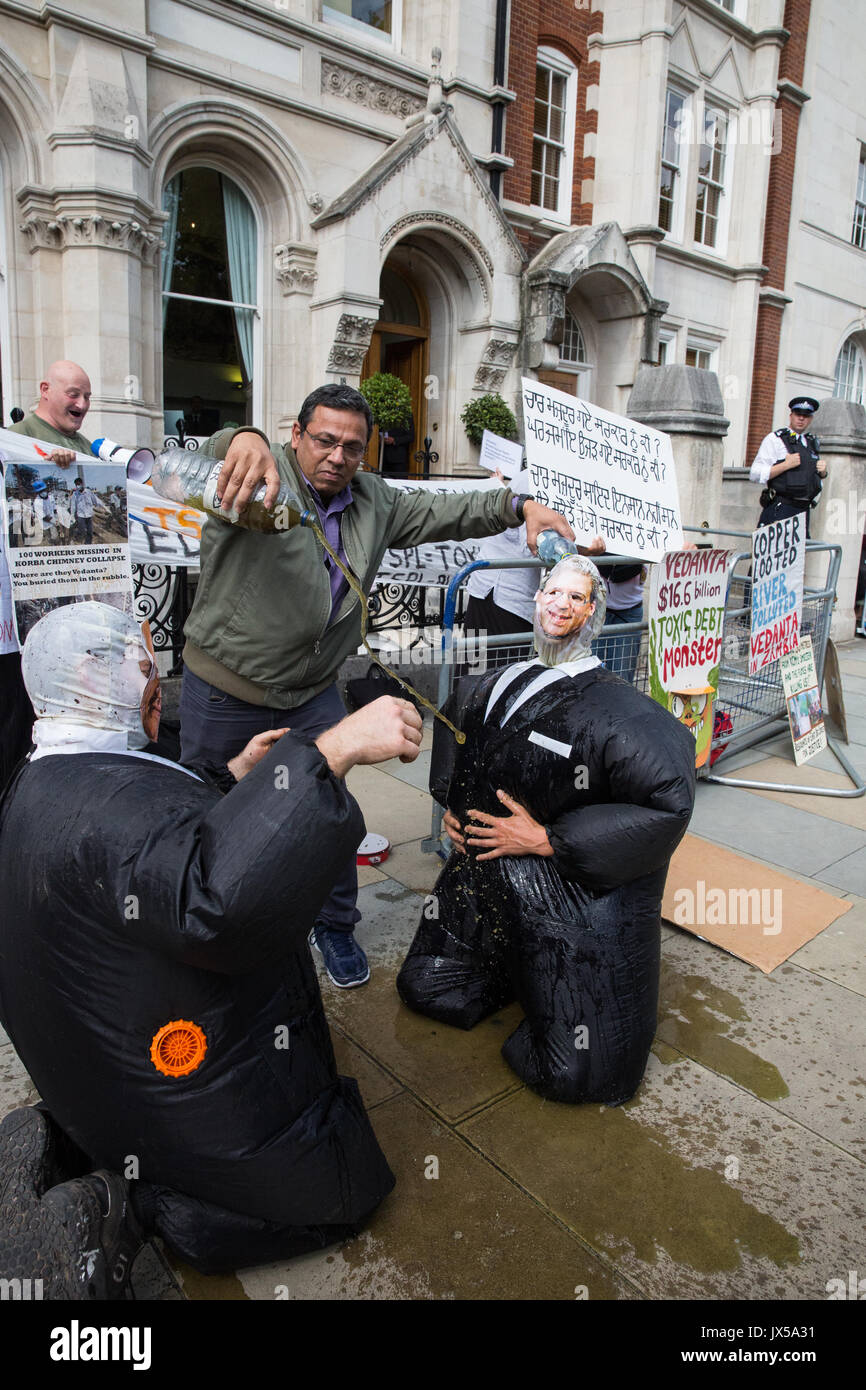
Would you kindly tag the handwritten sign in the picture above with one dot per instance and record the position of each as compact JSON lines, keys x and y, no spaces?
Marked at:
{"x":778,"y":561}
{"x":803,"y":701}
{"x":435,"y":563}
{"x":607,"y":474}
{"x":688,"y":593}
{"x":162,"y":532}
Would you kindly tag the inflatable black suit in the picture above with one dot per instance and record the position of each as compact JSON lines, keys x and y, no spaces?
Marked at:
{"x":575,"y":937}
{"x":156,"y":981}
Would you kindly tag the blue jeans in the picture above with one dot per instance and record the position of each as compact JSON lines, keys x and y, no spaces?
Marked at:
{"x":215,"y":726}
{"x":620,"y":654}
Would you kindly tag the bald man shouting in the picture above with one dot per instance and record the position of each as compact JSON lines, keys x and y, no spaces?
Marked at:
{"x":64,"y":400}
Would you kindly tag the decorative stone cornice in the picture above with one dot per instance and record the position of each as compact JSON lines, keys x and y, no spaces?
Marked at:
{"x":60,"y":220}
{"x":495,"y":362}
{"x":350,"y":345}
{"x":295,"y":267}
{"x":354,"y":329}
{"x":359,"y":87}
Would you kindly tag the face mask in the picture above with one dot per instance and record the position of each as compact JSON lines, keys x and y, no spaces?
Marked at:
{"x":583,"y":622}
{"x":87,"y":663}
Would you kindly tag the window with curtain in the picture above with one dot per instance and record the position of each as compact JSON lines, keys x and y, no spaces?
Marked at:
{"x":711,"y":175}
{"x":851,"y":373}
{"x":553,"y":133}
{"x":210,"y":297}
{"x":671,"y":174}
{"x":858,"y":232}
{"x":379,"y":15}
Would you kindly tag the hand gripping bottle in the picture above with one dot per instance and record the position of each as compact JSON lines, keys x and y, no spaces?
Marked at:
{"x":190,"y":477}
{"x":552,"y":547}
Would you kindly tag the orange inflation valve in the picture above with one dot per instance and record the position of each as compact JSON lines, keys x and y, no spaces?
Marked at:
{"x":178,"y":1048}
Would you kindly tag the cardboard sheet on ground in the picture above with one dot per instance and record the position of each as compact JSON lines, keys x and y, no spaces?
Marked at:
{"x":755,"y":912}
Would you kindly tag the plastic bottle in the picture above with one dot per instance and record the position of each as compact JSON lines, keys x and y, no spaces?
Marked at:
{"x":190,"y":477}
{"x":137,"y":462}
{"x":553,"y":547}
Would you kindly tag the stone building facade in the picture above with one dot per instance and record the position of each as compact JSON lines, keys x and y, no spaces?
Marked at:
{"x":215,"y":205}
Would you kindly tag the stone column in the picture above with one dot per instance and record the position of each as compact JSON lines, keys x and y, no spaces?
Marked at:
{"x":840,"y":514}
{"x":686,"y":402}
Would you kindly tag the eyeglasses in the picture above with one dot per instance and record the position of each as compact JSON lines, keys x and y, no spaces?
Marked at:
{"x":571,"y":599}
{"x":353,"y":452}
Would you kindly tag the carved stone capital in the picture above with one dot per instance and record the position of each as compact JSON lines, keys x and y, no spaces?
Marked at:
{"x":490,"y":378}
{"x":55,"y":221}
{"x":295,"y":267}
{"x":498,"y":350}
{"x":354,"y":329}
{"x":340,"y":81}
{"x":345,"y":358}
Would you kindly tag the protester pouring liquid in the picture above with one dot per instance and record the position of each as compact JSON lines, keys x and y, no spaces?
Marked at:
{"x":182,"y":475}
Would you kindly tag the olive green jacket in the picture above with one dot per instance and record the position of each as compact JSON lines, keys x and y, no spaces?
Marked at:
{"x":260,"y":626}
{"x":34,"y":427}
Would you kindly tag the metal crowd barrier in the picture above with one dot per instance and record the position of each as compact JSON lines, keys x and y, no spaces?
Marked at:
{"x":754,"y":705}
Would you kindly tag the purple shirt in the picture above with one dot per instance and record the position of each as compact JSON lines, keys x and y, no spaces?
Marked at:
{"x":329,"y":517}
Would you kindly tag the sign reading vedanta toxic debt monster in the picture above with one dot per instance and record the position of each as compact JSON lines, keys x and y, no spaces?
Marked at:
{"x":778,"y":560}
{"x":609,"y":475}
{"x":686,"y":617}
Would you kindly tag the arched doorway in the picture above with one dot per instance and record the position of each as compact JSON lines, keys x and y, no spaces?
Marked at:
{"x":399,"y":346}
{"x":210,"y":303}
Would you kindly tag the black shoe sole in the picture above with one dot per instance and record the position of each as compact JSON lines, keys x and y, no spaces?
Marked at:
{"x":33,"y":1243}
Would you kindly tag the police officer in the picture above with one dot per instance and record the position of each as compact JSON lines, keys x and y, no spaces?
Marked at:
{"x":788,"y":466}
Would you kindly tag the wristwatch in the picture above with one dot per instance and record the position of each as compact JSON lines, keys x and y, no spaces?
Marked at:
{"x":518,"y":501}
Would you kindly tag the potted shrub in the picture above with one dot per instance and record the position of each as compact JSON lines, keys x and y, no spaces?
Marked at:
{"x":488,"y":412}
{"x":390,"y":400}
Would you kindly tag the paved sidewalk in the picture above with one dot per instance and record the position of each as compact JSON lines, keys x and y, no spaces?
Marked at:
{"x":737,"y":1171}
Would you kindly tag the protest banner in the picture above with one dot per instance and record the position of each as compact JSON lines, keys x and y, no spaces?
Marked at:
{"x":168,"y":533}
{"x":500,"y":453}
{"x":778,"y":563}
{"x":686,"y":616}
{"x":66,"y":531}
{"x":162,"y":532}
{"x":803,"y":701}
{"x":609,"y":475}
{"x":8,"y":640}
{"x":435,"y":563}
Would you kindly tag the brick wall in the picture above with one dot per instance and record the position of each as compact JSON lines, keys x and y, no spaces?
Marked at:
{"x":776,"y":229}
{"x":562,"y":25}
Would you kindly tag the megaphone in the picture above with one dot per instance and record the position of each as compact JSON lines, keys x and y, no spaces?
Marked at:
{"x":138,"y":462}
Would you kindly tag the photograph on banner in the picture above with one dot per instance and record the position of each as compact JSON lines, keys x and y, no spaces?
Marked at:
{"x":84,"y":504}
{"x":778,"y":565}
{"x":609,"y":475}
{"x":66,"y":537}
{"x":688,"y":592}
{"x":803,"y":701}
{"x":500,"y":453}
